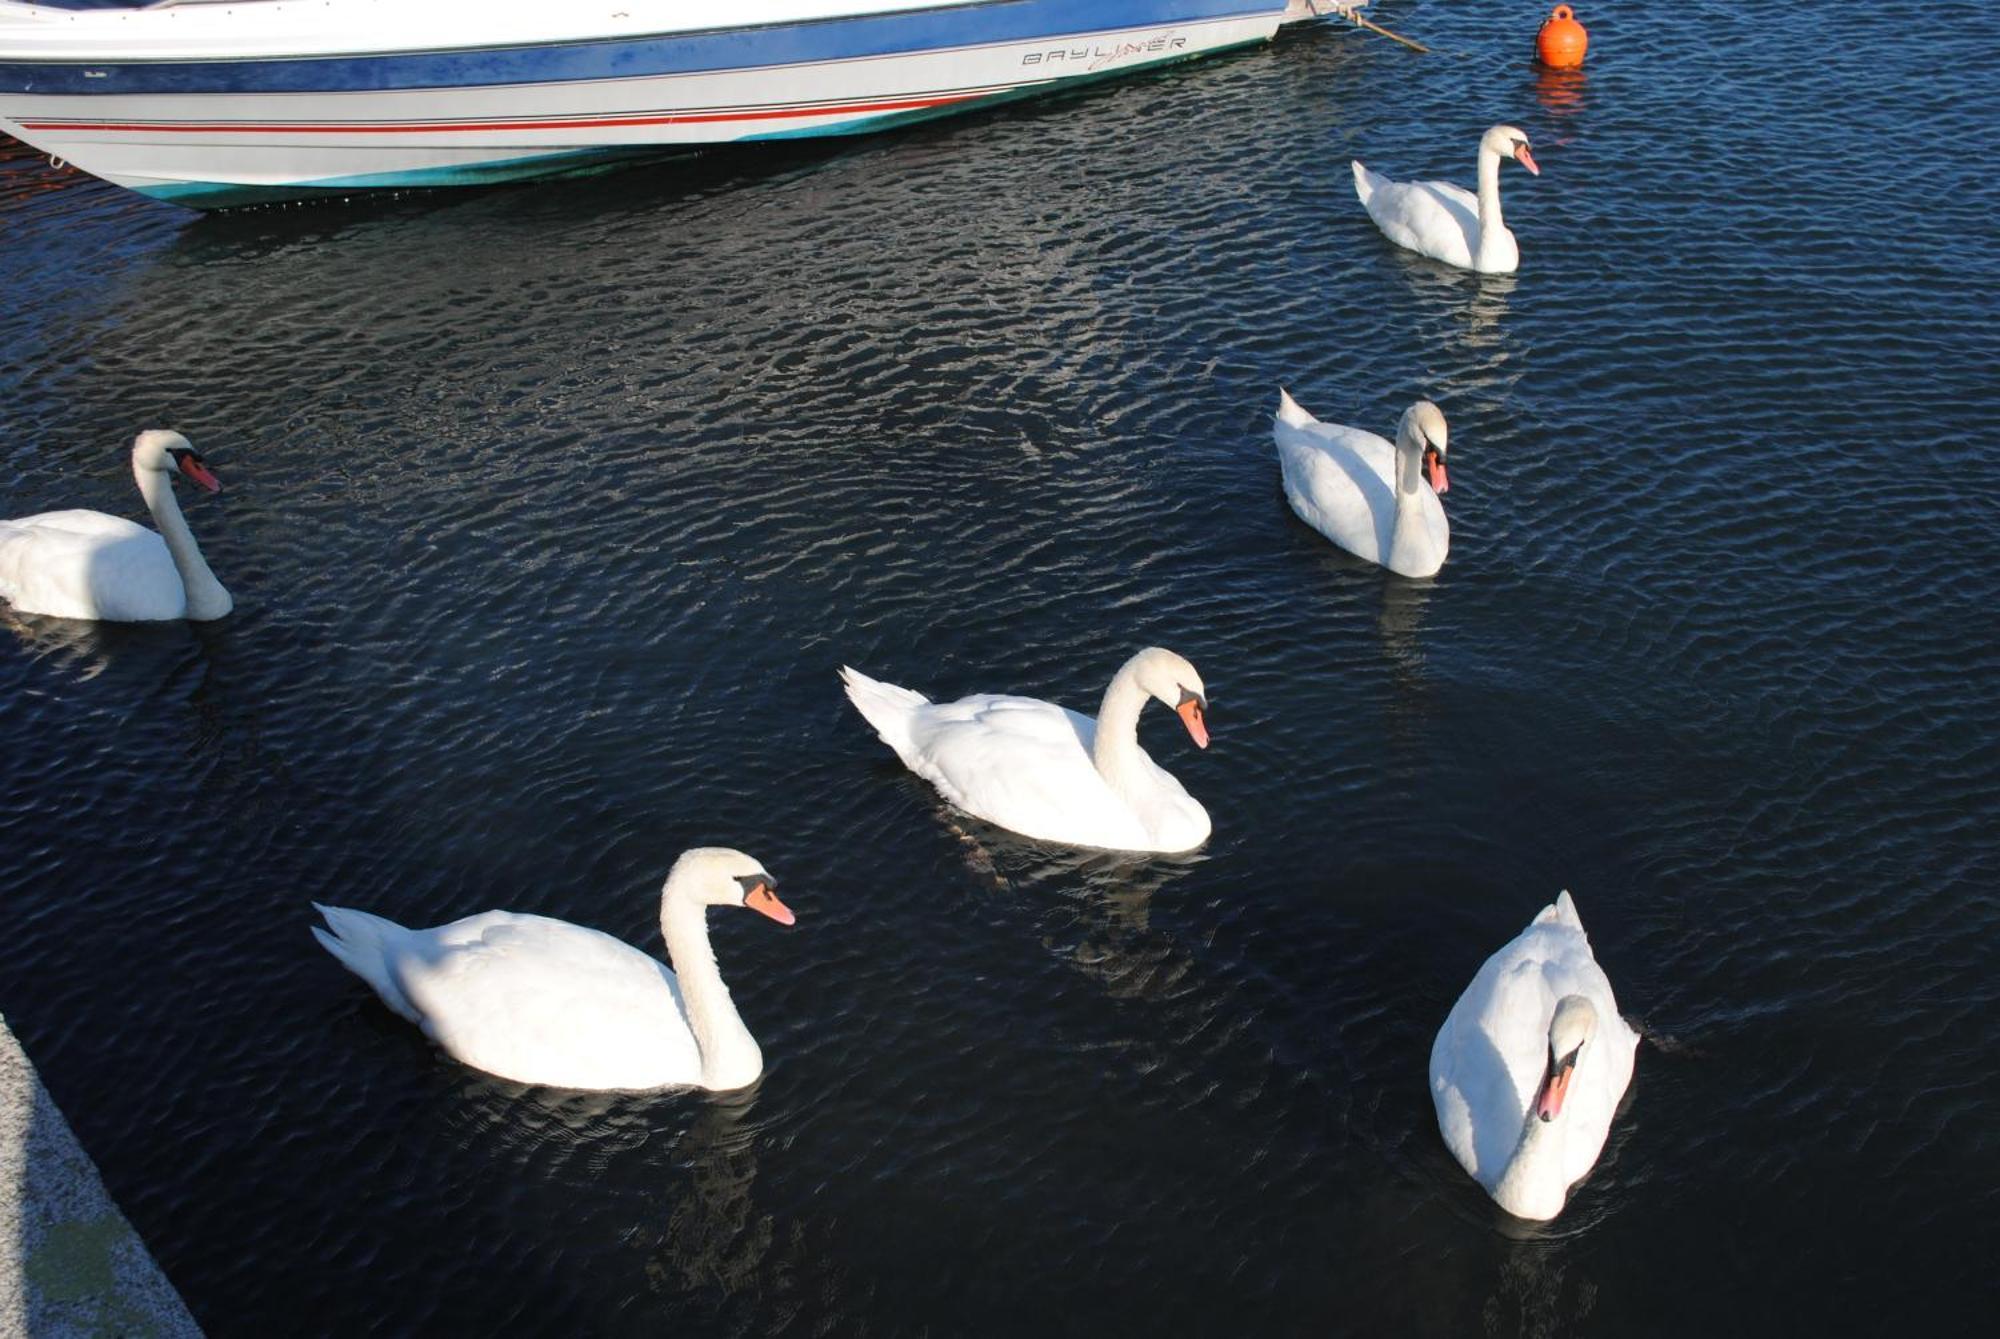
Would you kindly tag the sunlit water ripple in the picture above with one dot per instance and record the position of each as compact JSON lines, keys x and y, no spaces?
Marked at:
{"x":550,"y":514}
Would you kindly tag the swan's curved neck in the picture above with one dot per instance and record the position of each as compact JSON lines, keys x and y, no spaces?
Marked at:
{"x":1489,"y":191}
{"x":1533,"y":1177}
{"x":206,"y":597}
{"x":1408,"y":530}
{"x":1116,"y":750}
{"x":729,"y":1054}
{"x":1409,"y":467}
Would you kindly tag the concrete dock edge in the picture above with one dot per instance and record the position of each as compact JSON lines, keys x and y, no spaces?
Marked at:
{"x":70,"y":1265}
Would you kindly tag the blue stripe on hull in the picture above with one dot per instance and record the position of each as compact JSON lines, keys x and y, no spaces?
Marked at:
{"x":680,"y":53}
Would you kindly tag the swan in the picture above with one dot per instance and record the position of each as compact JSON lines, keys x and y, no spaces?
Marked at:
{"x":1048,"y":772}
{"x":544,"y":1001}
{"x":1377,"y":501}
{"x":85,"y":564}
{"x":1446,"y":222}
{"x":1528,"y":1068}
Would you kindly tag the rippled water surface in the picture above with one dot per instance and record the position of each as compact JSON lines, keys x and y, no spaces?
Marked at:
{"x":551,"y":513}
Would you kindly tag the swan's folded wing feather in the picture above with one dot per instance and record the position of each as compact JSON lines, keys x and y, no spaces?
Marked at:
{"x":87,"y":564}
{"x":1329,"y":499}
{"x":545,"y":1001}
{"x":1335,"y":478}
{"x":1435,"y":218}
{"x":80,"y":522}
{"x":1024,"y":764}
{"x":1449,"y":1074}
{"x":1463,"y":204}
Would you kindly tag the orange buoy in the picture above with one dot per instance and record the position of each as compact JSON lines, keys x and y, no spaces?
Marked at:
{"x":1562,"y":41}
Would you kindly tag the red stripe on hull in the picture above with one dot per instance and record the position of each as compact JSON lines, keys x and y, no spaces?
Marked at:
{"x":459,"y":127}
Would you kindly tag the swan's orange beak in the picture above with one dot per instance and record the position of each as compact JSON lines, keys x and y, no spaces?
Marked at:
{"x":1527,"y":160}
{"x":761,"y":898}
{"x":1549,"y":1104}
{"x":1434,"y":471}
{"x":1192,"y":716}
{"x":191,"y":465}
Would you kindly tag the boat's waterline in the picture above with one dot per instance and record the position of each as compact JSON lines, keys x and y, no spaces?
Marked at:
{"x":227,"y":131}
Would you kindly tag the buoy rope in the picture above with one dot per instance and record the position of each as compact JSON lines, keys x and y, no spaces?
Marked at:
{"x":1352,"y":13}
{"x":1398,"y":37}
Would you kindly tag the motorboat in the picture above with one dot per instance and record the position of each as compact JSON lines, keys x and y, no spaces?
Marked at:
{"x":214,"y":103}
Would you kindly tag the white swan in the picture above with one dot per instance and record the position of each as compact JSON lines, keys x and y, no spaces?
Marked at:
{"x":1377,"y":501}
{"x":1446,"y":222}
{"x":1528,"y":1069}
{"x":85,"y":564}
{"x":544,"y":1001}
{"x":1045,"y":771}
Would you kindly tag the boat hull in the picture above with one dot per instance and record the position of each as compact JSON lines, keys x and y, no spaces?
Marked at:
{"x":221,"y":132}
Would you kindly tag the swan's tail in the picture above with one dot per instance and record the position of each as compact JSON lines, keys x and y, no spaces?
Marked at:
{"x":1366,"y":183}
{"x":1289,"y":412}
{"x":361,"y":942}
{"x":1562,"y":911}
{"x":884,"y":706}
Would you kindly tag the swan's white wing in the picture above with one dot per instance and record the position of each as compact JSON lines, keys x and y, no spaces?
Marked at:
{"x":1338,"y":481}
{"x":545,"y":1001}
{"x":1452,"y":1058}
{"x":1024,"y":764}
{"x":79,"y":523}
{"x":86,"y":564}
{"x":1482,"y":1073}
{"x":1435,"y":218}
{"x":1463,"y":204}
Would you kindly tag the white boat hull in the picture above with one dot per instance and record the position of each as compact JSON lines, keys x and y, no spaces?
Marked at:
{"x":230,"y":128}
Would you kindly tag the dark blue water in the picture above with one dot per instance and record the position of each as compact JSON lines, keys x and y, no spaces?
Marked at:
{"x":551,"y":512}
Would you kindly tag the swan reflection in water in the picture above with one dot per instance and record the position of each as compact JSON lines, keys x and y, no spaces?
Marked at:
{"x":666,"y":1180}
{"x":1541,"y":1288}
{"x":1531,"y":1275}
{"x":182,"y":664}
{"x":172,"y":657}
{"x":1481,"y":333}
{"x":708,"y":1231}
{"x":1398,"y":627}
{"x":1465,"y":314}
{"x":1094,"y":908}
{"x":80,"y":646}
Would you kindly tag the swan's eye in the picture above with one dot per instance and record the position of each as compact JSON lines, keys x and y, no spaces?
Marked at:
{"x":1188,"y":695}
{"x":757,"y":883}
